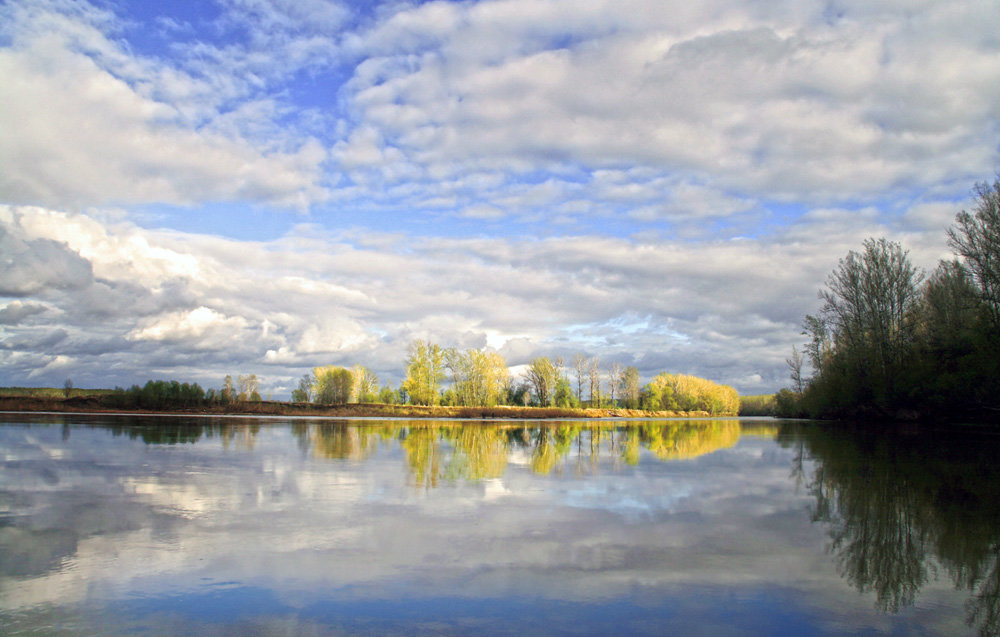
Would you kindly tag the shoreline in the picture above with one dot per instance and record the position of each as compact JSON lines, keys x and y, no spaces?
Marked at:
{"x":94,"y":405}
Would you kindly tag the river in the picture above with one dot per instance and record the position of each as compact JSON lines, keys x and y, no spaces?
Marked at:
{"x":142,"y":525}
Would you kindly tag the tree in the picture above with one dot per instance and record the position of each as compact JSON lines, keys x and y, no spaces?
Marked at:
{"x":594,"y":375}
{"x":303,"y":393}
{"x":67,"y":388}
{"x":952,"y":308}
{"x":479,"y":378}
{"x":976,"y":237}
{"x":563,"y":396}
{"x":249,"y":388}
{"x":332,"y":385}
{"x":615,"y":380}
{"x":580,"y":367}
{"x":690,"y":393}
{"x":387,"y":395}
{"x":542,"y":375}
{"x":630,"y":387}
{"x":424,"y":372}
{"x":365,"y":384}
{"x":795,"y":366}
{"x":870,"y":305}
{"x":228,"y":393}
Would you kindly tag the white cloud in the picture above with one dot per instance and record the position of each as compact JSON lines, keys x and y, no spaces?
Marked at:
{"x":194,"y":326}
{"x":774,"y":101}
{"x":729,"y":310}
{"x":96,"y":126}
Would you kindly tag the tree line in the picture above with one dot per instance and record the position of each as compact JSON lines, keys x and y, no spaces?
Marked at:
{"x":481,"y":378}
{"x":165,"y":394}
{"x":891,"y":340}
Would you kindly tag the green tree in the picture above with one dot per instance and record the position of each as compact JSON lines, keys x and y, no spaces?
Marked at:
{"x":387,"y":396}
{"x":563,"y":396}
{"x":332,"y":385}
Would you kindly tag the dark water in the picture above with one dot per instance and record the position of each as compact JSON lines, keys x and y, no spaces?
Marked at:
{"x":167,"y":526}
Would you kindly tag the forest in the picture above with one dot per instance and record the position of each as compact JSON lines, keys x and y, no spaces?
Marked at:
{"x":892,"y":341}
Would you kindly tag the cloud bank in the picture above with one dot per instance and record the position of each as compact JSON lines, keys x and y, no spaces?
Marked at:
{"x":227,"y":187}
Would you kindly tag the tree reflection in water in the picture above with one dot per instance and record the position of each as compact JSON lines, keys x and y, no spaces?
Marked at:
{"x":903,"y":506}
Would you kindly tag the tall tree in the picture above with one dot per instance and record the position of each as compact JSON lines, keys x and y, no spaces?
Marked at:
{"x":630,"y":387}
{"x":228,"y":393}
{"x":303,"y":393}
{"x":479,"y":377}
{"x":249,"y":387}
{"x":615,"y":380}
{"x":365,"y":388}
{"x":332,"y":385}
{"x":424,"y":372}
{"x":594,"y":375}
{"x":542,"y":375}
{"x":795,"y":366}
{"x":580,"y":367}
{"x":870,"y":302}
{"x":976,"y":237}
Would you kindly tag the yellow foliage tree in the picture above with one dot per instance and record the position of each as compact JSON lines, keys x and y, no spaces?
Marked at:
{"x":682,"y":392}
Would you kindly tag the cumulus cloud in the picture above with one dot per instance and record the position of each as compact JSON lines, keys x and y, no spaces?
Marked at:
{"x":16,"y":311}
{"x":197,"y":304}
{"x":31,"y":265}
{"x":660,"y":183}
{"x":95,"y":125}
{"x":775,"y":101}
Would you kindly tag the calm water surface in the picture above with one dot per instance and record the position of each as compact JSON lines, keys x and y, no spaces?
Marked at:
{"x":166,"y":526}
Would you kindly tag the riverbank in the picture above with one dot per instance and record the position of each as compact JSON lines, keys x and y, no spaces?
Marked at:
{"x":99,"y":404}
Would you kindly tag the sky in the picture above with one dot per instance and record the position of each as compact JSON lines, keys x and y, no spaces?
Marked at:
{"x":195,"y":189}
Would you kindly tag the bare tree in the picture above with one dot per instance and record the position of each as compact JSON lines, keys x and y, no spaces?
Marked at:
{"x":365,"y":388}
{"x":795,"y":365}
{"x":594,"y":374}
{"x":303,"y":393}
{"x":976,"y":237}
{"x":870,"y":302}
{"x":249,"y":387}
{"x":580,"y":367}
{"x":615,"y":380}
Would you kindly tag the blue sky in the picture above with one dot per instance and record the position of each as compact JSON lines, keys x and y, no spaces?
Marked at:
{"x":190,"y":189}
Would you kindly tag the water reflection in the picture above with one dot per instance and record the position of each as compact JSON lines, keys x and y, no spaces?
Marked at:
{"x":902,"y":506}
{"x":447,"y":451}
{"x":653,"y":523}
{"x":438,"y":453}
